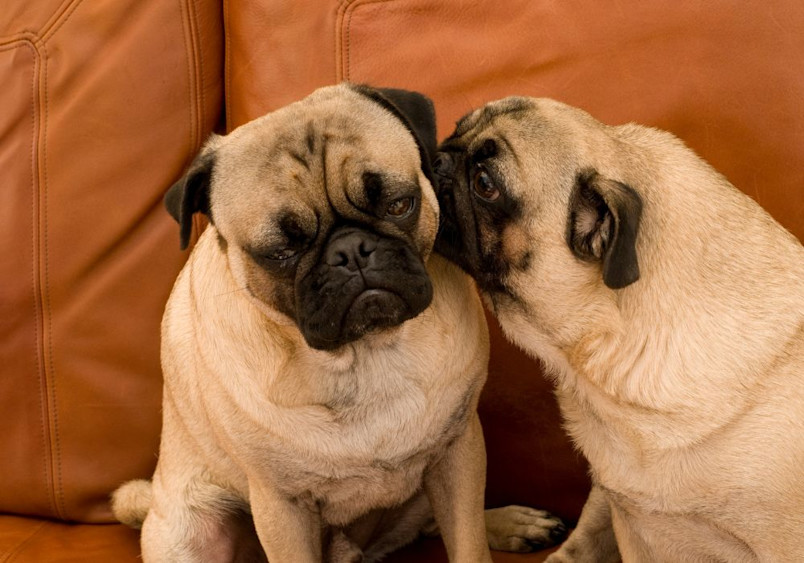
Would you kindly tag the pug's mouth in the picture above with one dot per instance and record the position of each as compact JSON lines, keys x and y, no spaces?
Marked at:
{"x":372,"y":311}
{"x":458,"y":241}
{"x":450,"y":241}
{"x":361,"y":292}
{"x":489,"y":278}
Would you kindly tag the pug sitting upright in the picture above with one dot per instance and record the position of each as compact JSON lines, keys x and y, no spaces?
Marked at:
{"x":322,"y":368}
{"x":669,"y":309}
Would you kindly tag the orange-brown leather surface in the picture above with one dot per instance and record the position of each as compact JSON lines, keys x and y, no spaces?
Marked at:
{"x":102,"y":106}
{"x":29,"y":540}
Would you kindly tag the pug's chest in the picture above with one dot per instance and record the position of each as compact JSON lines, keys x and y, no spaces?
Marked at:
{"x":344,"y":493}
{"x":647,"y":481}
{"x":367,"y":456}
{"x":629,"y":463}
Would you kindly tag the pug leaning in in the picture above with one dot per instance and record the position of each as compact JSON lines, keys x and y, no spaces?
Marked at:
{"x":322,"y":367}
{"x":669,"y":308}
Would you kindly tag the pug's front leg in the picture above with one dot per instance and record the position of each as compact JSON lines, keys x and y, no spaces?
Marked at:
{"x":289,"y":530}
{"x":455,"y":487}
{"x":593,"y":539}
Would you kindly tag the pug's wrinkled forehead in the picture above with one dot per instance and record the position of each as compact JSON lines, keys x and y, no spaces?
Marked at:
{"x":481,"y":118}
{"x":520,"y":121}
{"x":345,"y":151}
{"x":495,"y":131}
{"x":335,"y":155}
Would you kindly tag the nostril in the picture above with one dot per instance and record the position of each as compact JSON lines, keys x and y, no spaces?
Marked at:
{"x":338,"y":255}
{"x":350,"y":250}
{"x":366,"y":248}
{"x":442,"y":164}
{"x":339,"y":259}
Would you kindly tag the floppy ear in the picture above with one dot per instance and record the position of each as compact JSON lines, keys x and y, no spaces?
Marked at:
{"x":191,"y":194}
{"x":603,"y":223}
{"x":416,"y":111}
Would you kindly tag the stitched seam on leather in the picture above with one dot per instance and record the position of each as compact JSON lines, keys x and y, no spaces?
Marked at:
{"x":196,"y":62}
{"x":11,"y":41}
{"x":202,"y":102}
{"x":193,"y":64}
{"x":227,"y":65}
{"x":340,"y":16}
{"x":347,"y":26}
{"x":29,"y":42}
{"x":62,"y":18}
{"x":11,"y":555}
{"x":58,"y":488}
{"x":47,"y":317}
{"x":54,"y":18}
{"x":347,"y":41}
{"x":47,"y":466}
{"x":188,"y":53}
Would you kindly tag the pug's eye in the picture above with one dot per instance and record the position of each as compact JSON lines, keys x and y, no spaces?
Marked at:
{"x":280,"y":254}
{"x":400,"y":208}
{"x":484,"y":186}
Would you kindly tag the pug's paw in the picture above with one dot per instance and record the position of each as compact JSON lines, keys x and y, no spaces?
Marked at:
{"x":522,"y":529}
{"x":559,"y":557}
{"x":342,"y":549}
{"x":579,"y":551}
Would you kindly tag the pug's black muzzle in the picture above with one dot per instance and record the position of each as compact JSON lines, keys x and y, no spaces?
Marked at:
{"x":363,"y":282}
{"x":449,"y":242}
{"x":458,"y":238}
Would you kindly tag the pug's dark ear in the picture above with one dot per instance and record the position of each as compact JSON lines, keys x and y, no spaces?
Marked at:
{"x":603,"y":223}
{"x":416,"y":111}
{"x":190,"y":194}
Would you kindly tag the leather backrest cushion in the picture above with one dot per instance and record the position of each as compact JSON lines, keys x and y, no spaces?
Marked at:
{"x":103,"y":105}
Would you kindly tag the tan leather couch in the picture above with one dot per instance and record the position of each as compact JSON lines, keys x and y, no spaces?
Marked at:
{"x":102,"y":105}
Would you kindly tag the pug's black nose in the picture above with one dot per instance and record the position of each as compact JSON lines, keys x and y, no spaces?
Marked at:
{"x":350,"y":249}
{"x":442,"y":165}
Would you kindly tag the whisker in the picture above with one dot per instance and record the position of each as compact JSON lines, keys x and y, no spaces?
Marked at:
{"x":236,"y":290}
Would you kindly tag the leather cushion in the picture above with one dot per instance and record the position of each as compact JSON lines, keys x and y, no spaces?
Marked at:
{"x":103,"y":106}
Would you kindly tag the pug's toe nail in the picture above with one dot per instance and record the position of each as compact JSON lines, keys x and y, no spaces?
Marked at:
{"x":536,"y":545}
{"x":559,"y":532}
